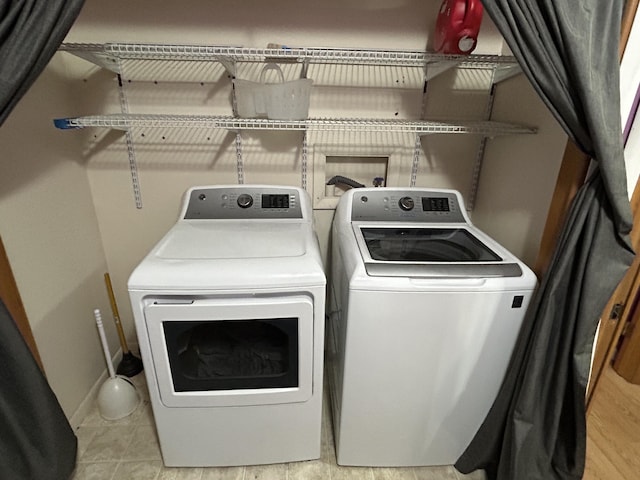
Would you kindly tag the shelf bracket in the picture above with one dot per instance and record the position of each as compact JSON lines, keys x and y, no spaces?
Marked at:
{"x":93,"y":55}
{"x":229,"y":65}
{"x":305,"y":68}
{"x":504,"y":72}
{"x":432,"y":70}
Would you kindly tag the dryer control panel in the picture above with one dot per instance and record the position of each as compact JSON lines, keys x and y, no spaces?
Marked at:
{"x":414,"y":205}
{"x":241,"y":202}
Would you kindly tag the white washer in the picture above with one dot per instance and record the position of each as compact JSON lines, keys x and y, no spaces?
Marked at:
{"x":425,"y":310}
{"x":229,"y":312}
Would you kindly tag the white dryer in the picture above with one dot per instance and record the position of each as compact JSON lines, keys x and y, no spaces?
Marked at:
{"x":229,"y":313}
{"x":425,"y":310}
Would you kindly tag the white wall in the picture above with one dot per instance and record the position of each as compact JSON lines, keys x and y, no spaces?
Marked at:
{"x":331,"y":23}
{"x":51,"y":234}
{"x":102,"y":210}
{"x":629,"y":85}
{"x":519,"y":173}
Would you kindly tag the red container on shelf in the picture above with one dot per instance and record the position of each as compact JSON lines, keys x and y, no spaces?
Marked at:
{"x":457,"y":26}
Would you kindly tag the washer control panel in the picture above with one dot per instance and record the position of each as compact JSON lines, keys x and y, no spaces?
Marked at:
{"x":418,"y":205}
{"x":243,"y":202}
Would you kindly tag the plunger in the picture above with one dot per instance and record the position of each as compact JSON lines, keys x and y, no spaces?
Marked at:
{"x":130,"y":365}
{"x":117,"y":396}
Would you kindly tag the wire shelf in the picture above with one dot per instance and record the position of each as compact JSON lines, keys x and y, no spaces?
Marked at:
{"x":113,"y":56}
{"x":300,"y":55}
{"x":124,"y":122}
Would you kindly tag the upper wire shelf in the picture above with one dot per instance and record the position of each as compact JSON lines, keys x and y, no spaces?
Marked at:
{"x":113,"y":51}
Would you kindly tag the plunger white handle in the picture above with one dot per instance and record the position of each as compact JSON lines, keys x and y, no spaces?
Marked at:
{"x":105,"y":346}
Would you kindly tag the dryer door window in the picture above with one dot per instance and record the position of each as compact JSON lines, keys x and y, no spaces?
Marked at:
{"x":231,"y":351}
{"x":232,"y":354}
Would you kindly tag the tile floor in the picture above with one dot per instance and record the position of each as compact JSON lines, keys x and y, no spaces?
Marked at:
{"x":128,"y":449}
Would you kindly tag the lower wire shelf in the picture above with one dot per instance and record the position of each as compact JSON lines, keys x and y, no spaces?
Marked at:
{"x":420,"y":127}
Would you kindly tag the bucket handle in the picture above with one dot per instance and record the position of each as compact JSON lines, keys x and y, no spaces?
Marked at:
{"x":271,"y":66}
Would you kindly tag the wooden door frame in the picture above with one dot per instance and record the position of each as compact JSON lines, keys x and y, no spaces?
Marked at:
{"x":619,"y":308}
{"x":626,"y":351}
{"x":11,"y":297}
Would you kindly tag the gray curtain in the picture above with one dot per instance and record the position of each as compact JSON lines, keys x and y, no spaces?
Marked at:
{"x":536,"y":428}
{"x":36,"y":440}
{"x":30,"y":33}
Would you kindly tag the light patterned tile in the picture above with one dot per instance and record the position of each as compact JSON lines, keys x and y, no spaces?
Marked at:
{"x":109,"y":443}
{"x":137,"y":471}
{"x":266,"y":472}
{"x":327,"y":432}
{"x":93,"y":418}
{"x":144,"y":445}
{"x":95,"y":471}
{"x":84,"y":436}
{"x":328,"y":453}
{"x":327,"y":447}
{"x":311,"y":470}
{"x":394,"y":474}
{"x":351,"y":473}
{"x":477,"y":475}
{"x":435,"y":473}
{"x":172,"y":473}
{"x":144,"y":414}
{"x":223,"y":473}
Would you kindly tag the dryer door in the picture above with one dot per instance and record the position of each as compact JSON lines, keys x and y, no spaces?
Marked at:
{"x":232,"y":351}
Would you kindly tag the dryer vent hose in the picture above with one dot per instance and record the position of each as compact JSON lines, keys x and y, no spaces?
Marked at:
{"x":345,"y":181}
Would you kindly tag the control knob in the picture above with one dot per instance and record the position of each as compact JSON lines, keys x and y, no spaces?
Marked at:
{"x":245,"y":200}
{"x":406,"y":203}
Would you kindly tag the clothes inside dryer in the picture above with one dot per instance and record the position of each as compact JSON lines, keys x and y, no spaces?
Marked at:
{"x":239,"y":354}
{"x":426,"y":245}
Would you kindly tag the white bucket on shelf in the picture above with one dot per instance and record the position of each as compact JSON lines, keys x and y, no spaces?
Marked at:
{"x":276,"y":101}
